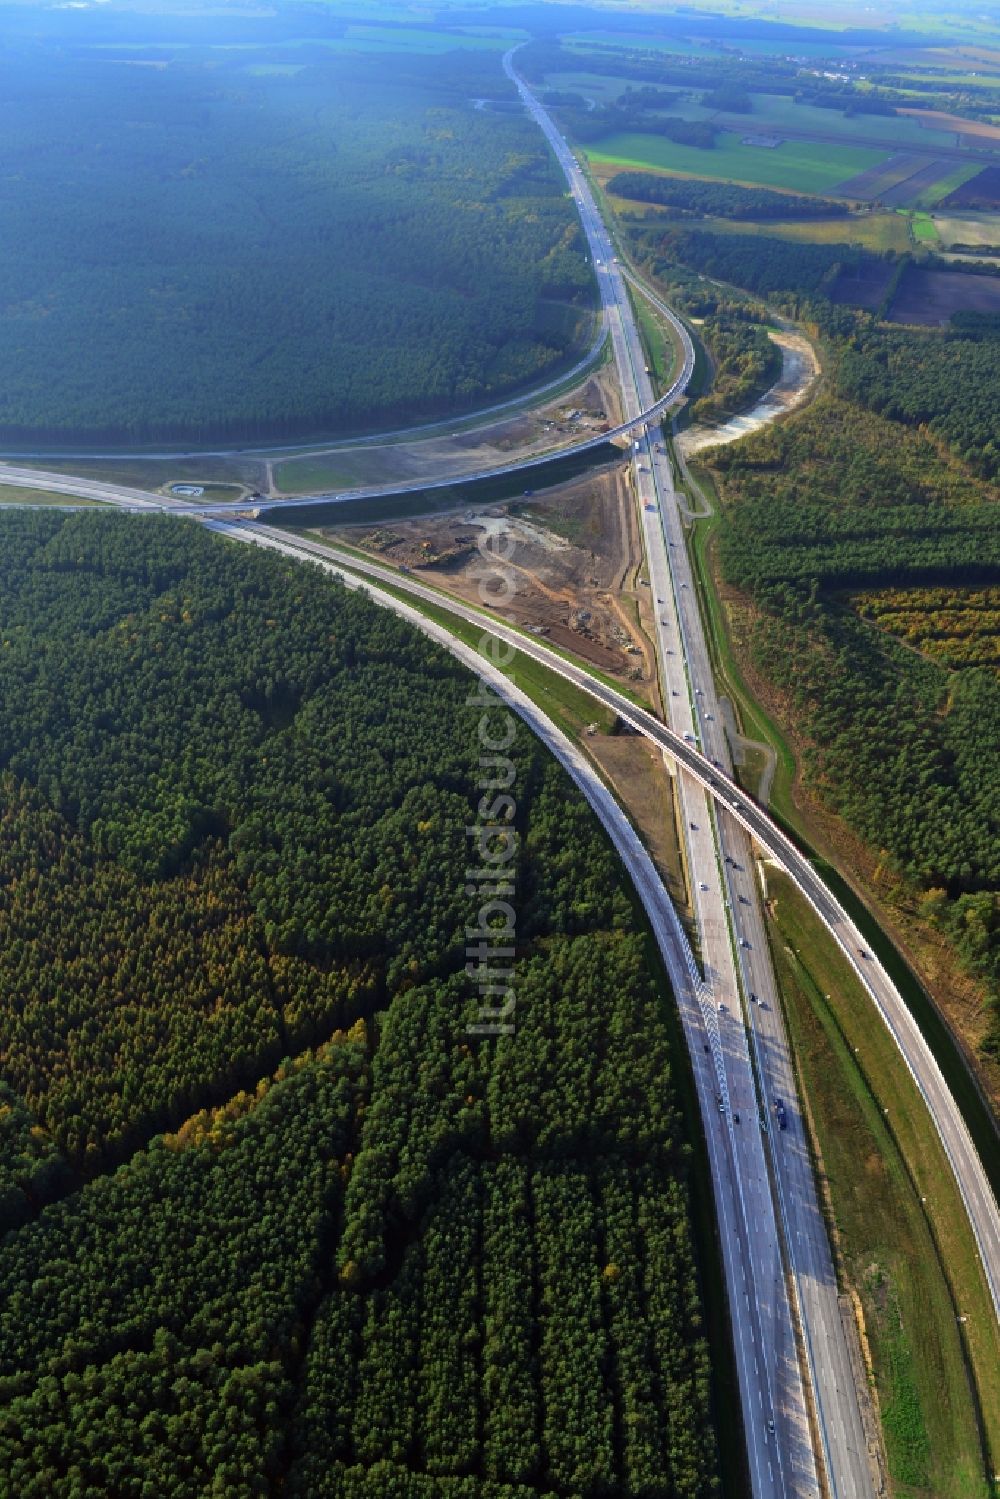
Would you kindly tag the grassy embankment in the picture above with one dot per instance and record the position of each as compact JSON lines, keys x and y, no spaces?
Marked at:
{"x":659,"y":342}
{"x":904,"y":1246}
{"x":13,"y":494}
{"x":754,"y":721}
{"x":338,"y":464}
{"x":901,"y":1356}
{"x":573,"y":711}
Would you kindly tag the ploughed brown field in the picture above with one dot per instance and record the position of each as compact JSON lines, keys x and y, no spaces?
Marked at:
{"x":981,"y":191}
{"x":866,"y":288}
{"x":930,"y":297}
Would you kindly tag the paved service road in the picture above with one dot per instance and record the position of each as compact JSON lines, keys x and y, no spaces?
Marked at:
{"x":767,"y":835}
{"x":765,"y":1194}
{"x":788,"y":1228}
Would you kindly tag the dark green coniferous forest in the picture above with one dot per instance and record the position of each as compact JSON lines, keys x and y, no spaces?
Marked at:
{"x":274,"y":1220}
{"x":230,"y":246}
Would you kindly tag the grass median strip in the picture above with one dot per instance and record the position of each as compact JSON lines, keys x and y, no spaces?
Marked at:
{"x":658,"y":347}
{"x":15,"y":494}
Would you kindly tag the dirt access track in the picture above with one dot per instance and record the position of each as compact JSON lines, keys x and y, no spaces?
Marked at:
{"x":591,"y":408}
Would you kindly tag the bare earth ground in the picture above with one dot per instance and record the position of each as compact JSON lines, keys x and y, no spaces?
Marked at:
{"x":874,"y":180}
{"x":799,"y":370}
{"x":936,"y":119}
{"x":930,"y":297}
{"x":866,"y":290}
{"x":590,"y":409}
{"x":575,"y":554}
{"x":906,"y":191}
{"x":578,"y":561}
{"x":637,"y":772}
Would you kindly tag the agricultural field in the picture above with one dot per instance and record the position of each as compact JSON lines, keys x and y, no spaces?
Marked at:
{"x":875,"y":182}
{"x":801,"y":166}
{"x":773,"y":112}
{"x":924,"y":230}
{"x":979,"y":191}
{"x":874,"y":231}
{"x":927,"y":185}
{"x":931,"y":298}
{"x":419,"y":40}
{"x":981,"y":231}
{"x":980,"y":132}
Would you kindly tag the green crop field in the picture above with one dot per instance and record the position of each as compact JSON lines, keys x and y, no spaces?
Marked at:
{"x":366,"y":38}
{"x":804,"y":166}
{"x":772,"y":112}
{"x":945,"y":185}
{"x":924,"y":230}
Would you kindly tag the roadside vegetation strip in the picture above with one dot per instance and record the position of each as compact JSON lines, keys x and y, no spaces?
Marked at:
{"x":657,"y":350}
{"x":595,"y":713}
{"x":754,"y":722}
{"x":874,"y":231}
{"x":13,"y":494}
{"x":758,"y":724}
{"x":903,"y":1237}
{"x":309,"y":457}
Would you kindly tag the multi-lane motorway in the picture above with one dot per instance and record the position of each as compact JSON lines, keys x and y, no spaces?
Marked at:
{"x":785,"y":1228}
{"x":775,"y":1253}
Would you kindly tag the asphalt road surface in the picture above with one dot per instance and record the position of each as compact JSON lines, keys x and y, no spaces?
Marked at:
{"x":765,"y":1192}
{"x":785,"y":1226}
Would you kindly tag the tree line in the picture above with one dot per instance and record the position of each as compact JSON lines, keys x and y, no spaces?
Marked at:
{"x":721,"y":200}
{"x":213,"y":252}
{"x":841,"y":501}
{"x":273,"y":1218}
